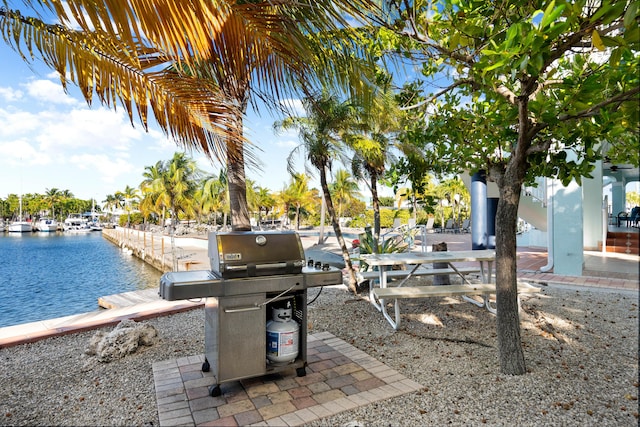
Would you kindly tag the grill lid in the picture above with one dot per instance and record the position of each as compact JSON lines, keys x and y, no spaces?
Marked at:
{"x":249,"y":253}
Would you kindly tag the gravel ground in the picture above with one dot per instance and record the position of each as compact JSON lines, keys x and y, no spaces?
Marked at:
{"x":581,"y":348}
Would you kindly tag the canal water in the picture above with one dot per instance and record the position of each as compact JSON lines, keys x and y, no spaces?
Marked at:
{"x":49,"y":275}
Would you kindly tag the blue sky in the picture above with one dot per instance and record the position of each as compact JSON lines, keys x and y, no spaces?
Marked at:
{"x":49,"y":139}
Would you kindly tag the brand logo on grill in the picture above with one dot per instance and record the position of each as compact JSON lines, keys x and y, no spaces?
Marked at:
{"x":261,"y":240}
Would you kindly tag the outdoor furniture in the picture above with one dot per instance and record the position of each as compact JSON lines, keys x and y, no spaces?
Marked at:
{"x":623,"y":217}
{"x":465,"y":291}
{"x":429,"y":226}
{"x":416,"y":260}
{"x":634,"y":217}
{"x":450,"y":226}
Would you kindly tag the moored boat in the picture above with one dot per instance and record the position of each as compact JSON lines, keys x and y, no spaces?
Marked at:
{"x":20,"y":227}
{"x":46,"y":224}
{"x":76,"y":223}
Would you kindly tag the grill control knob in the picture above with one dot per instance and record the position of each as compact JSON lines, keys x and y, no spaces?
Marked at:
{"x":318,"y":265}
{"x":325,"y":267}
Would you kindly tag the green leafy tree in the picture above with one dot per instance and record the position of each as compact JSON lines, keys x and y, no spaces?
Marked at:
{"x":533,"y":89}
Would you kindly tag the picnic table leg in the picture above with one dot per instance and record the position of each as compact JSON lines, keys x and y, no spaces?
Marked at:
{"x":394,"y":323}
{"x":382,"y":278}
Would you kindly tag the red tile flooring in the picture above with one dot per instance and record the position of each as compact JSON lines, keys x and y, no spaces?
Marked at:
{"x":339,"y":377}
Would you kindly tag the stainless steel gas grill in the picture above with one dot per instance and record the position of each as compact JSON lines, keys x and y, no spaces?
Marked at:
{"x":256,"y":306}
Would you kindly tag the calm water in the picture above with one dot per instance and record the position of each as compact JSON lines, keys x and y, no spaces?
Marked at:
{"x":48,"y":275}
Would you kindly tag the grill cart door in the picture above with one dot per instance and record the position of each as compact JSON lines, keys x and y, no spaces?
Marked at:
{"x":235,"y":336}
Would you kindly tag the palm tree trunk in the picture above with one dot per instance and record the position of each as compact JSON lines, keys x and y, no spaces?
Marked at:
{"x":338,"y":231}
{"x":323,"y":206}
{"x":376,"y":211}
{"x":237,"y":188}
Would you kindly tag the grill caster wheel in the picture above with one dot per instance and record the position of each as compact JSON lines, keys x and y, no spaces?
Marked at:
{"x":205,"y":366}
{"x":215,"y":391}
{"x":301,"y":372}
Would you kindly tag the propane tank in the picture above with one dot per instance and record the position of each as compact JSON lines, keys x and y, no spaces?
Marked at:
{"x":282,"y":336}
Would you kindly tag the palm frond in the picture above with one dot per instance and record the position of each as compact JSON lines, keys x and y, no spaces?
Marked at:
{"x":191,"y":110}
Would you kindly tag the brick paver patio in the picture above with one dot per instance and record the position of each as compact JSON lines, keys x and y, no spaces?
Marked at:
{"x":339,"y":377}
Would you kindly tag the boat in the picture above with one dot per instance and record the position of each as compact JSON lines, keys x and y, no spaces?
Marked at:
{"x":94,"y":224}
{"x":20,"y":225}
{"x":76,"y":223}
{"x":46,"y":224}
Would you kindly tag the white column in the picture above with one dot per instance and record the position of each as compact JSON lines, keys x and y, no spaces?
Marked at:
{"x":568,"y":240}
{"x":592,"y":208}
{"x":618,"y":197}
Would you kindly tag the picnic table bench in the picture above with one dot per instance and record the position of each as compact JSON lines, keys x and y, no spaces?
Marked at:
{"x":400,"y":274}
{"x":465,"y":291}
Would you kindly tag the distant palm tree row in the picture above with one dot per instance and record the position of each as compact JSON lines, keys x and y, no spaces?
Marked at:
{"x":177,"y":190}
{"x":54,"y":203}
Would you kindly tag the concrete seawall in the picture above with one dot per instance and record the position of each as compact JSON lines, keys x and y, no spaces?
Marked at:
{"x":187,"y":253}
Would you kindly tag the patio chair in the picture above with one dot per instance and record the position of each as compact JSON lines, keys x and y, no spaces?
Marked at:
{"x":450,"y":226}
{"x":429,"y":226}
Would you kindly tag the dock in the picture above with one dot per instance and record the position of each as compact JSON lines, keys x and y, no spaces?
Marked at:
{"x":187,"y":253}
{"x":127,"y":299}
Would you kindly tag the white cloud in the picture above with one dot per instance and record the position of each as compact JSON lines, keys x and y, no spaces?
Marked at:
{"x":15,"y":152}
{"x":287,"y":143}
{"x":10,"y":94}
{"x":108,"y":168}
{"x":294,"y":106}
{"x":48,"y":92}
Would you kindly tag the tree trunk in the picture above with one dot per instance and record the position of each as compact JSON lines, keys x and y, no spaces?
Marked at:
{"x":508,"y":320}
{"x":237,"y":189}
{"x":323,"y":205}
{"x":375,"y":201}
{"x":338,"y":231}
{"x":440,"y":279}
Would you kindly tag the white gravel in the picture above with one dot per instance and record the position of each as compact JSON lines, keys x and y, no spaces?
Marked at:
{"x":581,"y":348}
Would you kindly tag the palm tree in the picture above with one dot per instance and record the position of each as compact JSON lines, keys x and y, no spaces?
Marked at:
{"x":371,"y":139}
{"x":130,"y":197}
{"x":320,"y":135}
{"x":112,"y":202}
{"x":264,"y":202}
{"x":149,"y":195}
{"x":299,"y":195}
{"x":213,"y":196}
{"x":343,"y":189}
{"x":67,"y":200}
{"x":176,"y":186}
{"x":52,"y":197}
{"x":197,"y":67}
